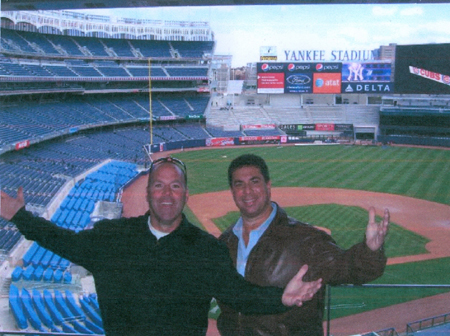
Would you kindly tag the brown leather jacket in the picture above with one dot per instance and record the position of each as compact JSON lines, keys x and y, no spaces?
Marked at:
{"x":286,"y":245}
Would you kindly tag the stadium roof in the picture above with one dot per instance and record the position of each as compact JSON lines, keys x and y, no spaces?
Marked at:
{"x":14,"y":5}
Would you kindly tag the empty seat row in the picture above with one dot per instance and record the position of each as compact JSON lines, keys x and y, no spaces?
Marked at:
{"x":53,"y":311}
{"x":52,"y":44}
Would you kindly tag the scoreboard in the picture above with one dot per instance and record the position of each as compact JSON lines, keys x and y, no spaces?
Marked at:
{"x":417,"y":69}
{"x":324,"y":78}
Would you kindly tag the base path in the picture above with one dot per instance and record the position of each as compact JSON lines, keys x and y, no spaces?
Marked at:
{"x":429,"y":219}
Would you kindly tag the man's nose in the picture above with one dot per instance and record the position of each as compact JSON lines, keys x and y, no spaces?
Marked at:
{"x":246,"y":189}
{"x":166,"y":190}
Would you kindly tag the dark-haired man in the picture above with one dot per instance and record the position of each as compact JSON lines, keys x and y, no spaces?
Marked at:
{"x":267,"y":247}
{"x":156,"y":274}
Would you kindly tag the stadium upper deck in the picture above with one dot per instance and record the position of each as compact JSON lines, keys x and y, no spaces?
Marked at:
{"x":60,"y":48}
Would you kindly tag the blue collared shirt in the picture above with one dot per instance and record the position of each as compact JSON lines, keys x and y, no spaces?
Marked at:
{"x":244,"y":251}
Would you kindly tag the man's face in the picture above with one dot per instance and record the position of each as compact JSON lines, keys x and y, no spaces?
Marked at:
{"x":166,"y":195}
{"x":251,"y":193}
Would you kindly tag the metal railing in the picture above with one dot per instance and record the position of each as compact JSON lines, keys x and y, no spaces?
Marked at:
{"x":427,"y":323}
{"x":422,"y":324}
{"x":411,"y":328}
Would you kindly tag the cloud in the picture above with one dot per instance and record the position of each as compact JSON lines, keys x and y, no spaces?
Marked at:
{"x":411,"y":11}
{"x":384,"y":10}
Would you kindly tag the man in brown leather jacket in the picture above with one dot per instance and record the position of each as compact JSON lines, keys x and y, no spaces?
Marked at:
{"x":268,"y":247}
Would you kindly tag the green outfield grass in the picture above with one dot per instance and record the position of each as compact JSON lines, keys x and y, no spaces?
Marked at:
{"x":347,"y":225}
{"x":414,"y":172}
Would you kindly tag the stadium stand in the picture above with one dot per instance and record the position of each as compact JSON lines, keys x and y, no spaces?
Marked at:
{"x":80,"y":107}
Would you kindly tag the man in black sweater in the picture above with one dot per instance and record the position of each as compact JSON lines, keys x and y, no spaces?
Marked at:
{"x":156,"y":274}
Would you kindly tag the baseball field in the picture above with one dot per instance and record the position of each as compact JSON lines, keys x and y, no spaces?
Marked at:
{"x":332,"y":187}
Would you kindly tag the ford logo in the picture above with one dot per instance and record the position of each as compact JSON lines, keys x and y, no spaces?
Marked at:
{"x":298,"y":79}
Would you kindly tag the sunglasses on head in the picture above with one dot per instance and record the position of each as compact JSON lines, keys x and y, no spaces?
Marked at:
{"x":172,"y":160}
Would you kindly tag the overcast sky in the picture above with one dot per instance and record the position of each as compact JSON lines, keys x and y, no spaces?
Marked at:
{"x":241,"y":30}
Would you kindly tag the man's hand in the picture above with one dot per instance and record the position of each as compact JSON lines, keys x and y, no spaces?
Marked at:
{"x":297,"y":291}
{"x":376,"y":232}
{"x":9,"y":205}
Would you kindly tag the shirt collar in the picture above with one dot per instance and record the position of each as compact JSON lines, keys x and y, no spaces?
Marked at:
{"x":259,"y":231}
{"x":181,"y":229}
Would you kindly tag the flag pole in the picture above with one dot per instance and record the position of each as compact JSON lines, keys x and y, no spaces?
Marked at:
{"x":150,"y":100}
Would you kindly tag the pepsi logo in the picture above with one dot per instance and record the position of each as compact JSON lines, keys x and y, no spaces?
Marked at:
{"x":291,"y":67}
{"x":267,"y":67}
{"x":319,"y":67}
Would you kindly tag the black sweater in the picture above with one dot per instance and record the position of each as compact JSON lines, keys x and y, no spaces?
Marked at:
{"x":151,"y":287}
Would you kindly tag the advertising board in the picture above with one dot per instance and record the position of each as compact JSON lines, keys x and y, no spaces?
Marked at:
{"x":422,"y":69}
{"x":325,"y":78}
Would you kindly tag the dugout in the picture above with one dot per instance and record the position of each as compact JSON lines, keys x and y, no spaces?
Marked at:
{"x":365,"y":132}
{"x":415,"y":125}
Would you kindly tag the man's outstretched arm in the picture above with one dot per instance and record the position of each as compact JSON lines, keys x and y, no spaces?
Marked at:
{"x":10,"y":205}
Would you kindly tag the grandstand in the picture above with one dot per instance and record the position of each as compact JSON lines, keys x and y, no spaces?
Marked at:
{"x":74,"y":119}
{"x":75,"y":115}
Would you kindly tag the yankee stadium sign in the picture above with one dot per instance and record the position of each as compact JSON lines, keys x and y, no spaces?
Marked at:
{"x":333,"y":55}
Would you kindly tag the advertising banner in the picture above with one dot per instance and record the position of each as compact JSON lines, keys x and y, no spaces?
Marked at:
{"x":167,"y":117}
{"x":343,"y":127}
{"x":327,"y":83}
{"x":308,"y":127}
{"x":326,"y":77}
{"x":22,"y":144}
{"x":257,"y":140}
{"x":366,"y":72}
{"x":217,"y":142}
{"x":434,"y":76}
{"x":299,"y":129}
{"x":422,"y":69}
{"x":325,"y":127}
{"x":299,"y":77}
{"x":367,"y":77}
{"x":259,"y":127}
{"x":289,"y":128}
{"x":270,"y":83}
{"x":194,"y":116}
{"x":368,"y":87}
{"x":299,"y":83}
{"x":268,"y":53}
